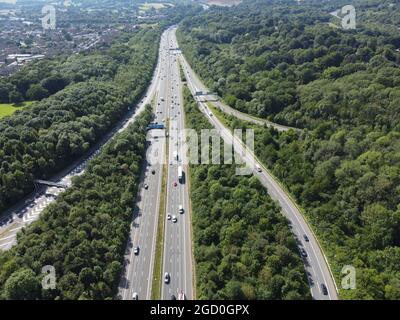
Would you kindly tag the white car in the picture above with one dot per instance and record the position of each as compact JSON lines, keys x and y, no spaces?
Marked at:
{"x":180,"y":209}
{"x":168,"y":216}
{"x":258,"y":169}
{"x":135,"y":296}
{"x":174,"y":219}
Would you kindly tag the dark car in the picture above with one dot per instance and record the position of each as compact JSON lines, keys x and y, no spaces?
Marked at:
{"x":167,"y":278}
{"x":324,"y":289}
{"x":306,"y":238}
{"x":173,"y":297}
{"x":153,"y":171}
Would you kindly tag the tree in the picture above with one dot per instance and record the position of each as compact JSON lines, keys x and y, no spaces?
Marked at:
{"x":15,"y":97}
{"x":22,"y":285}
{"x":54,"y":83}
{"x":36,"y":92}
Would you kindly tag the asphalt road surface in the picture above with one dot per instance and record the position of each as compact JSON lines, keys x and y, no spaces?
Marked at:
{"x":177,"y":258}
{"x":138,"y":268}
{"x":315,"y":263}
{"x":29,"y":209}
{"x":199,"y":86}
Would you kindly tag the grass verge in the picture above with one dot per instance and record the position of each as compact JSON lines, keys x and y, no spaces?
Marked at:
{"x":158,"y":260}
{"x":7,"y":109}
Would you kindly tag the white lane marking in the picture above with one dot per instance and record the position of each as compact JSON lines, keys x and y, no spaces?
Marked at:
{"x":6,"y":244}
{"x":9,"y":237}
{"x":17,"y":228}
{"x":271,"y":183}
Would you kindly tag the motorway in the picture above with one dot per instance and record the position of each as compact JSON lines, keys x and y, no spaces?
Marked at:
{"x":30,"y":208}
{"x":315,"y":263}
{"x":137,"y":273}
{"x":177,"y":257}
{"x":166,"y":89}
{"x":138,"y":269}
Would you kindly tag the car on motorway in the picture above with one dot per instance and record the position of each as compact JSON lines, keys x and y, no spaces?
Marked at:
{"x":324,"y":289}
{"x":305,"y":238}
{"x":180,"y":209}
{"x":136,"y":251}
{"x":167,"y":278}
{"x":175,"y":184}
{"x":135,"y":296}
{"x":146,"y":186}
{"x":258,"y":169}
{"x":303,"y":253}
{"x":174,"y":219}
{"x":153,"y":171}
{"x":168,"y":216}
{"x":173,"y":297}
{"x":181,"y":295}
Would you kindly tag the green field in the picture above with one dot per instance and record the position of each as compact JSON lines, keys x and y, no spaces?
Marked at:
{"x":7,"y":109}
{"x":157,"y":6}
{"x":147,"y":6}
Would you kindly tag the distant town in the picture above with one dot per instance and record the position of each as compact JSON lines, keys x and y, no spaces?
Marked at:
{"x":79,"y":27}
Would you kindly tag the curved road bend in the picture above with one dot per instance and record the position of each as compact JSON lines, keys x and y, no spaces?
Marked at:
{"x":199,"y":86}
{"x":315,"y":263}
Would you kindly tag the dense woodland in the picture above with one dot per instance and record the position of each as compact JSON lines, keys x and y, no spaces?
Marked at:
{"x":44,"y":138}
{"x":84,"y":233}
{"x":243,"y":246}
{"x":286,"y":64}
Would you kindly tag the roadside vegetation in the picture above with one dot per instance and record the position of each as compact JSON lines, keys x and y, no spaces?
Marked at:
{"x":286,"y":64}
{"x":83,"y":234}
{"x":243,"y":246}
{"x":38,"y":141}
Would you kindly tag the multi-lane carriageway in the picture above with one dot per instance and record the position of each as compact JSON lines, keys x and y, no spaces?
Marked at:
{"x":29,"y":209}
{"x":166,"y":90}
{"x":177,"y":256}
{"x":315,"y":263}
